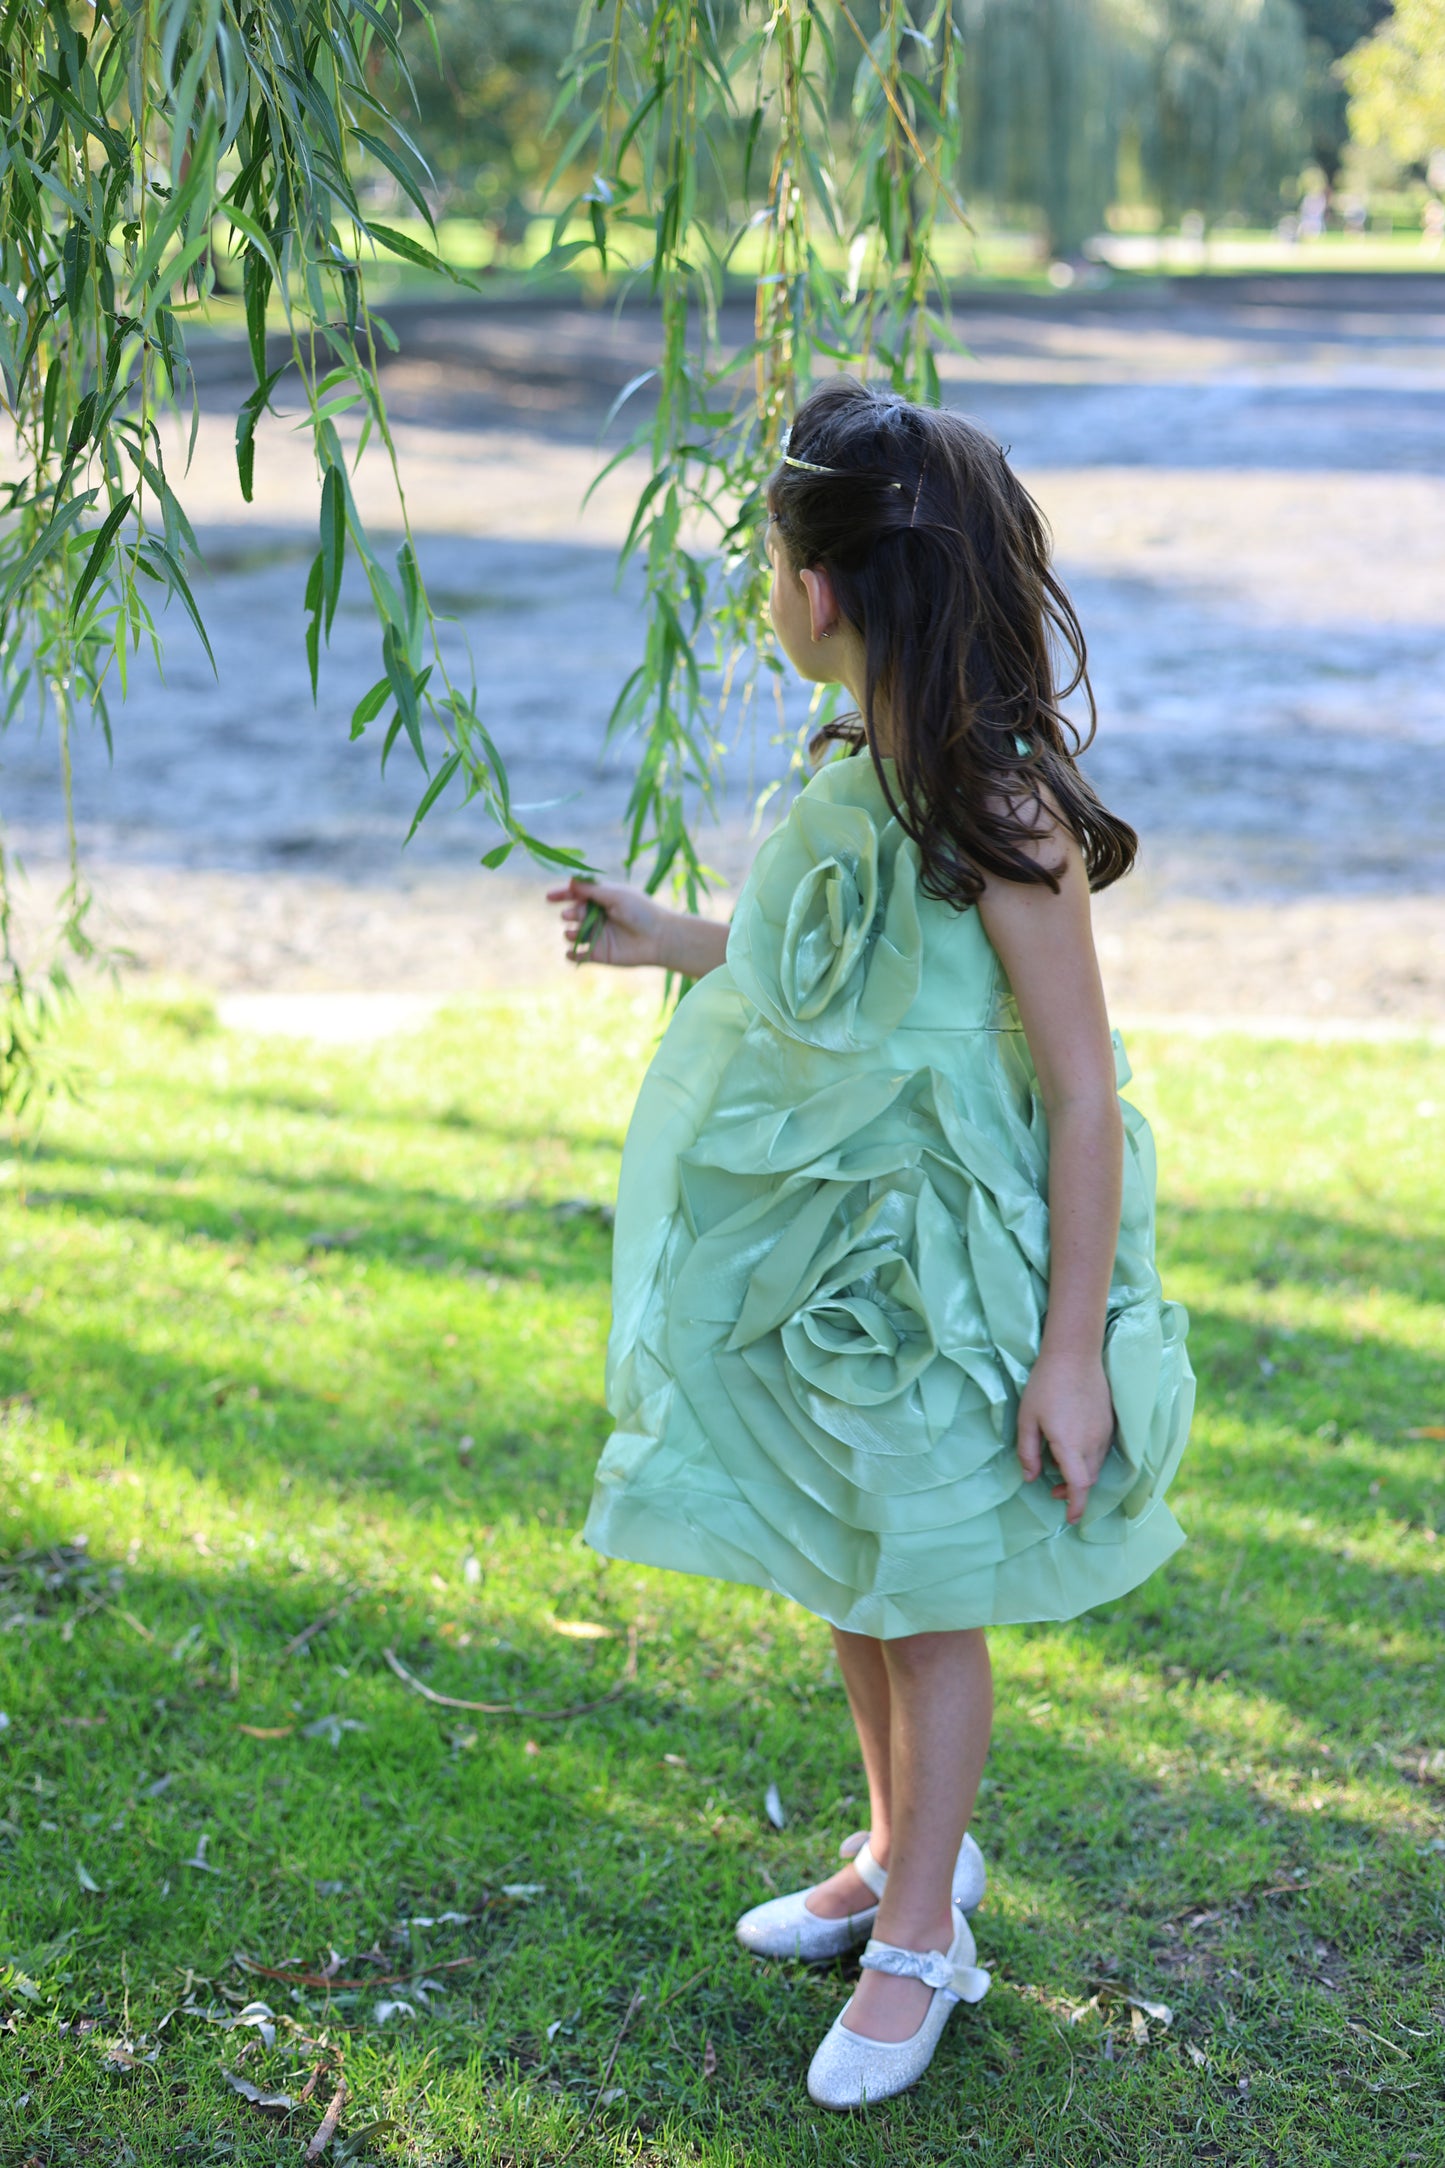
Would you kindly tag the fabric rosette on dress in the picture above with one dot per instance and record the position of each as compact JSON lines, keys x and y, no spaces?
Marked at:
{"x":831,"y":1268}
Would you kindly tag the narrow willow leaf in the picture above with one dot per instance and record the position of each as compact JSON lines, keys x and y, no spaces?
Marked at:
{"x":369,"y":706}
{"x":100,"y":549}
{"x":433,"y":791}
{"x":333,"y":541}
{"x":397,"y":168}
{"x":246,"y":420}
{"x":404,"y":686}
{"x":315,"y":590}
{"x":45,"y":546}
{"x":401,"y":244}
{"x":256,"y":276}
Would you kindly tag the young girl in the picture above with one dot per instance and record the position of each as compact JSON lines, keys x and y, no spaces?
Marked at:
{"x":887,"y":1335}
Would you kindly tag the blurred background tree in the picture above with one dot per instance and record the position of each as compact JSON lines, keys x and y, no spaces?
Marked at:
{"x":1332,"y":29}
{"x":485,"y":75}
{"x":1214,"y":108}
{"x":1396,"y":86}
{"x":1207,"y":107}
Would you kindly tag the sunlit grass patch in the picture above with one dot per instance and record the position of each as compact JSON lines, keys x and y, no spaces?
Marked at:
{"x":306,"y":1346}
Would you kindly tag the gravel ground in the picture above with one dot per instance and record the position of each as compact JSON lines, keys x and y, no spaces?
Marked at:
{"x":1247,"y":484}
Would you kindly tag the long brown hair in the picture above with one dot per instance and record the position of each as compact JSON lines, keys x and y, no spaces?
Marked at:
{"x":940,"y":558}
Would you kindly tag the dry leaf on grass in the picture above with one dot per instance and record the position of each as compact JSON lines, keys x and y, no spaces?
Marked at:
{"x":256,"y":2094}
{"x":267,"y":1731}
{"x":330,"y":1728}
{"x":127,"y":2055}
{"x":259,"y":2014}
{"x":709,"y":2057}
{"x":1159,"y":2011}
{"x":582,"y":1629}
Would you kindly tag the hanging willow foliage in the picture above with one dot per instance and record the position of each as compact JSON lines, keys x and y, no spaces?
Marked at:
{"x":147,"y":144}
{"x":139,"y":145}
{"x":812,"y":145}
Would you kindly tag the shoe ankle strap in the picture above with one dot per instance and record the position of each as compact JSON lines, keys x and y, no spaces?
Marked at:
{"x":933,"y":1967}
{"x":868,"y":1871}
{"x":955,"y":1970}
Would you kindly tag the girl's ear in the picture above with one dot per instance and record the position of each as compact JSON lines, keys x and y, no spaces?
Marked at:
{"x":823,"y":610}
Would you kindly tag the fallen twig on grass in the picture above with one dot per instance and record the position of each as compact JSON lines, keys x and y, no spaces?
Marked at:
{"x":326,"y":2128}
{"x":1365,"y":2031}
{"x":597,"y":2098}
{"x":1246,"y":1897}
{"x":318,"y":1625}
{"x":512,"y":1708}
{"x":321,"y":1979}
{"x":673,"y":1994}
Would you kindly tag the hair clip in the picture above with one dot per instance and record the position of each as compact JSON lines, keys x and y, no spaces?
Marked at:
{"x":810,"y":466}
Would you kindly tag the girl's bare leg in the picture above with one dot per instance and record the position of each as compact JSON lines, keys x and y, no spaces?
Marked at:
{"x":865,"y":1675}
{"x":940,"y":1691}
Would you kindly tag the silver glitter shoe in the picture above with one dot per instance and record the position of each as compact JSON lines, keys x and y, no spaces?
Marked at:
{"x":784,"y":1927}
{"x":850,"y":2070}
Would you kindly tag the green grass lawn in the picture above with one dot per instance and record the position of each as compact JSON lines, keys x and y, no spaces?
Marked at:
{"x":301,"y":1361}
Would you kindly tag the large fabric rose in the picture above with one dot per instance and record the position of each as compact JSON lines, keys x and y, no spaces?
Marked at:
{"x":826,"y":939}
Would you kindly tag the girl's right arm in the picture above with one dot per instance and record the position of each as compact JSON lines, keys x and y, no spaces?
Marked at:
{"x":636,"y":929}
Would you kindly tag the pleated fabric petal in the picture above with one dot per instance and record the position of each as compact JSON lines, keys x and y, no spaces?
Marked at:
{"x":831,"y":1268}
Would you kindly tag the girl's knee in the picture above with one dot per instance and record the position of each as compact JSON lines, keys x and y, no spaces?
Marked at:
{"x":918,"y":1655}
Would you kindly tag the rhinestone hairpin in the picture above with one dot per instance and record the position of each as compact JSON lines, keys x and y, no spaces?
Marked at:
{"x":811,"y":466}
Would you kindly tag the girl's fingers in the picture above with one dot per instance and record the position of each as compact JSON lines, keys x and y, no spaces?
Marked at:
{"x":1076,"y":1486}
{"x":1030,"y":1446}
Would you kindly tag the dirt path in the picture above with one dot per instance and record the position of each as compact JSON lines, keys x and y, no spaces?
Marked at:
{"x":1248,"y":491}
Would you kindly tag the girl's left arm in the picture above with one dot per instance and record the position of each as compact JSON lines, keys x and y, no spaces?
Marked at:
{"x":1046,"y":946}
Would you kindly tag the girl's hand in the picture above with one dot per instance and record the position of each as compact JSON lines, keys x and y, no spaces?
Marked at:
{"x":1066,"y":1407}
{"x":627,"y":927}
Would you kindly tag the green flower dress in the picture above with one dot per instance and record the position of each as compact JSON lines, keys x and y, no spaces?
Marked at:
{"x":831,"y":1268}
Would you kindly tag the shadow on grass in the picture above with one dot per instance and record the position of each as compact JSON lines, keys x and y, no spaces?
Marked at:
{"x":333,"y":1213}
{"x":639,"y":1862}
{"x":243,"y":1429}
{"x":1284,"y":1246}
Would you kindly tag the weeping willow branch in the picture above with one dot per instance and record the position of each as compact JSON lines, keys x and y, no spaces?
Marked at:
{"x":760,"y":159}
{"x":149,"y":151}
